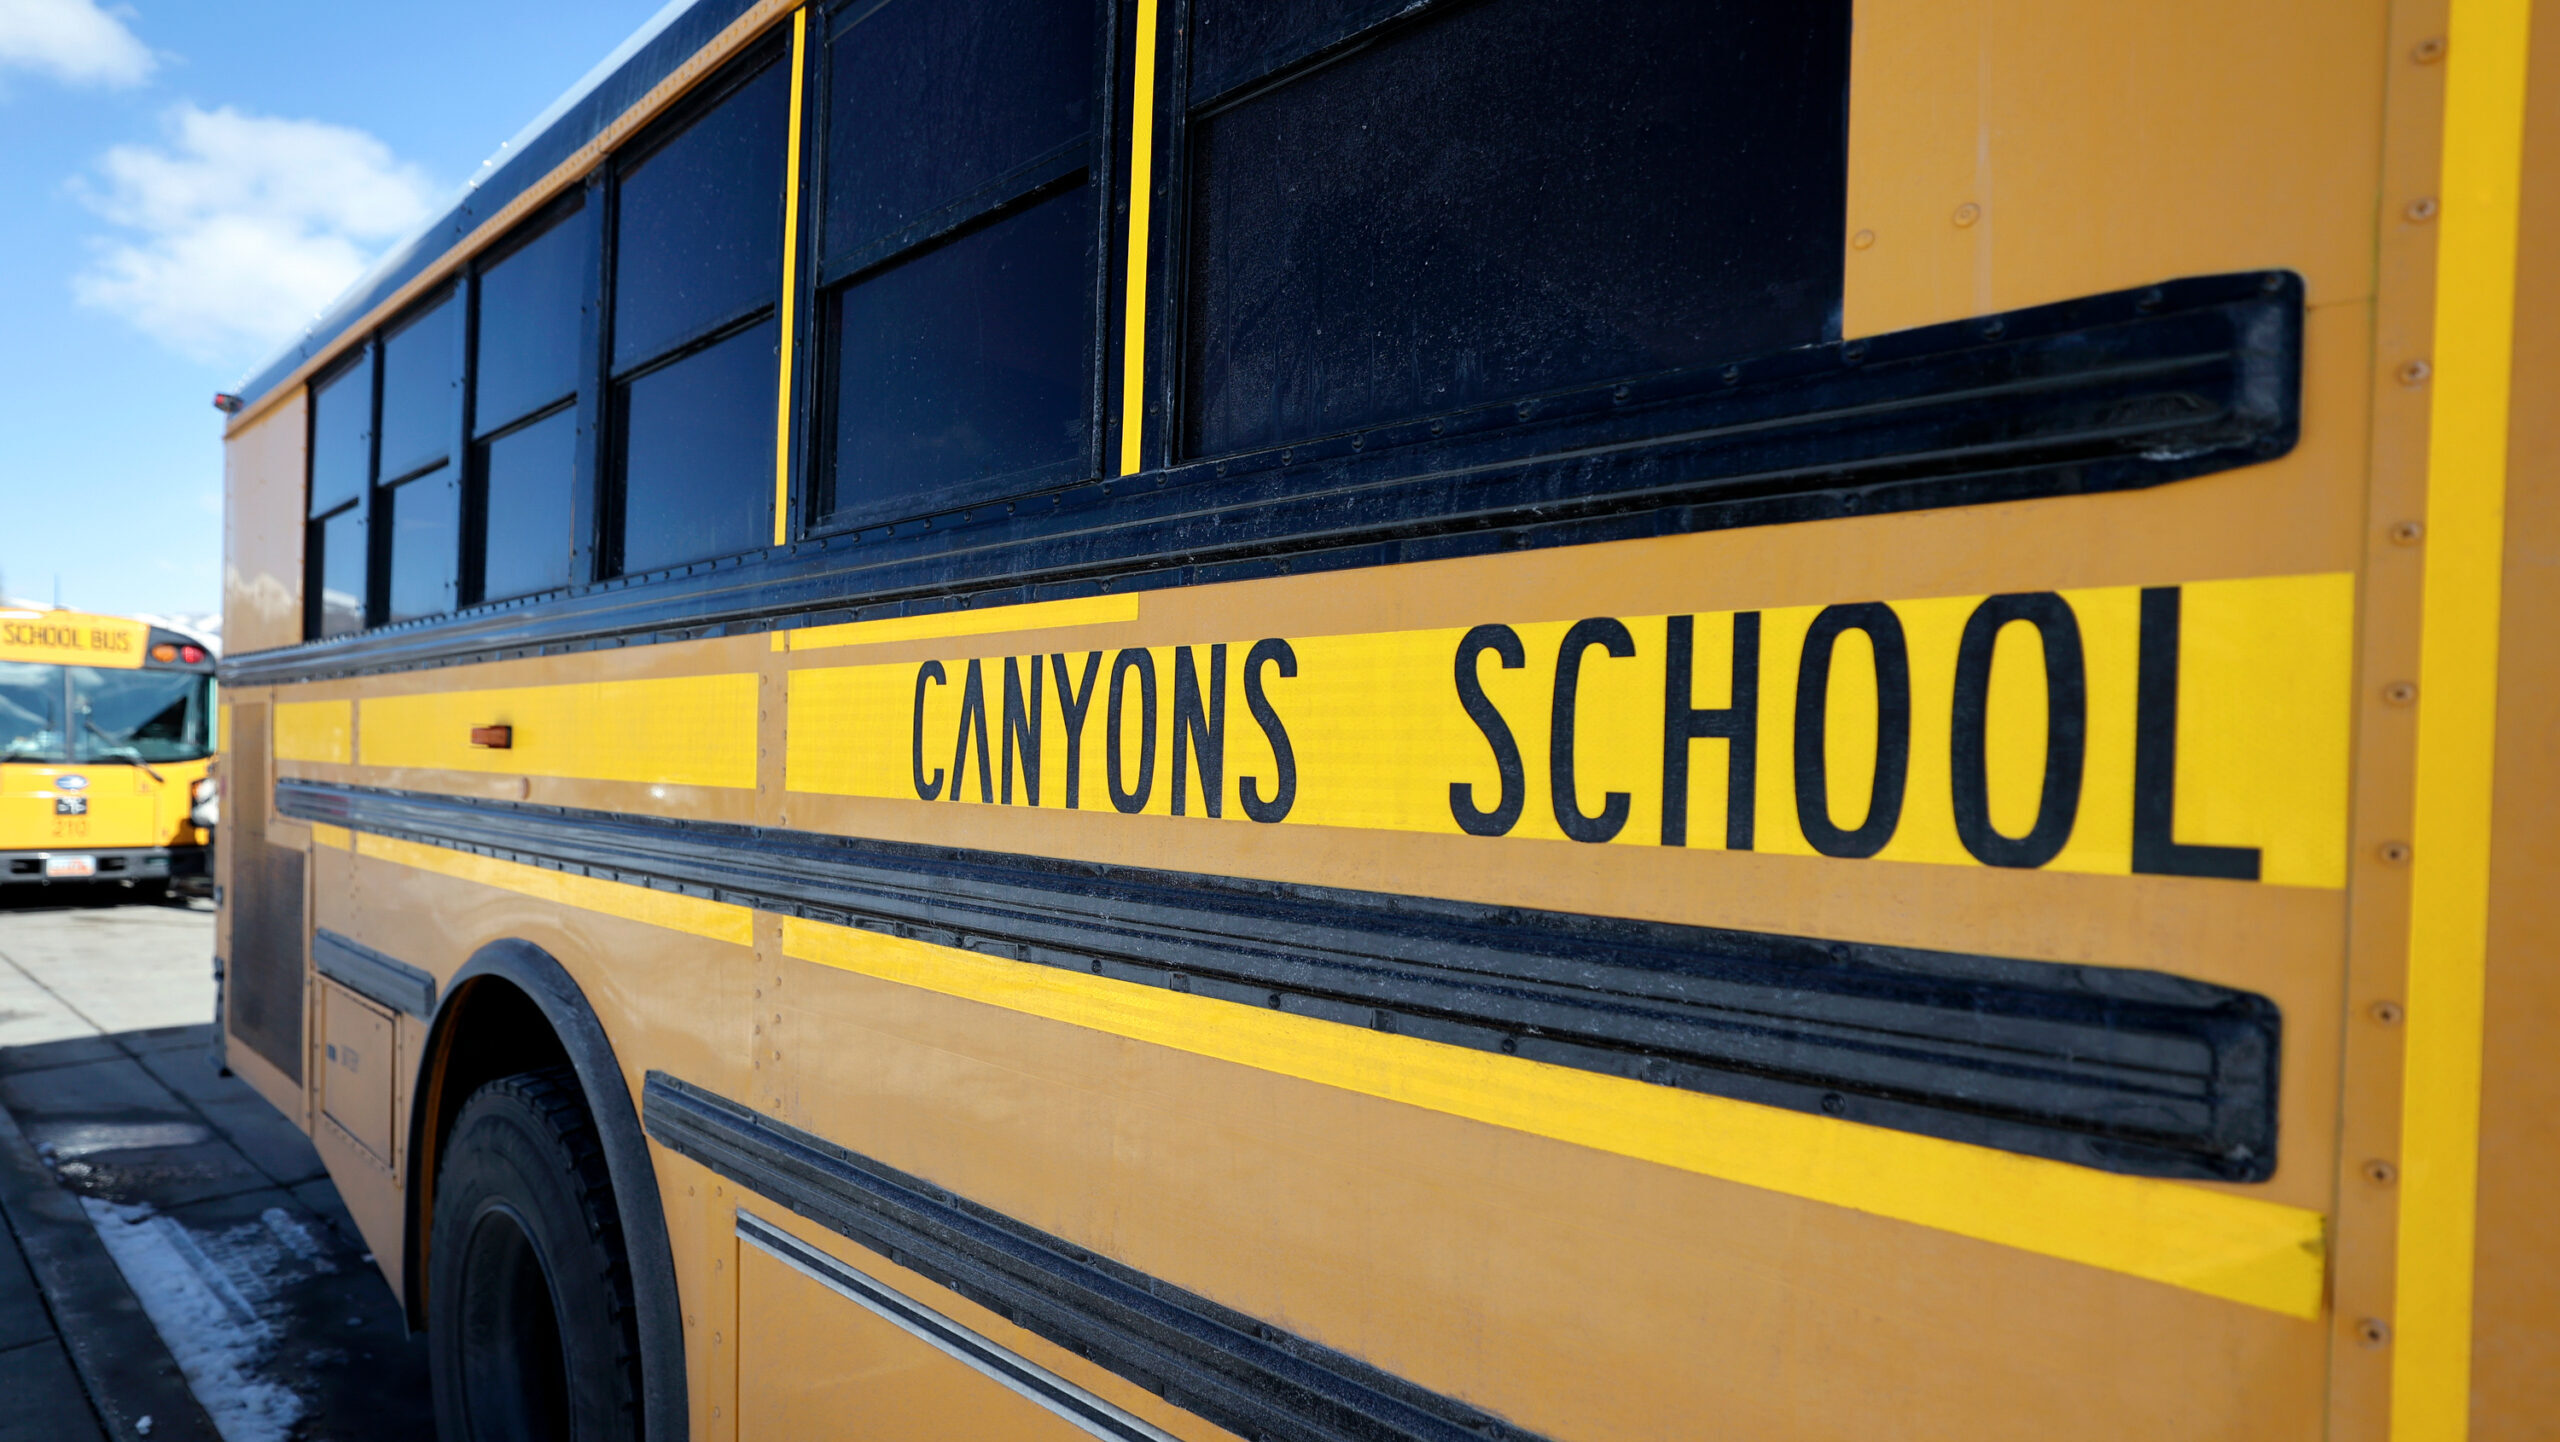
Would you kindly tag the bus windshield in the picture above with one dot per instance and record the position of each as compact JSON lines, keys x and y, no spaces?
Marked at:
{"x":31,"y":709}
{"x":84,"y":713}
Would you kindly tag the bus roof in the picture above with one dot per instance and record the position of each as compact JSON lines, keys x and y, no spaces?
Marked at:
{"x":620,"y":81}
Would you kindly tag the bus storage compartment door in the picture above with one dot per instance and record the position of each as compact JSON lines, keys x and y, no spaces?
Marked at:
{"x":355,"y":1085}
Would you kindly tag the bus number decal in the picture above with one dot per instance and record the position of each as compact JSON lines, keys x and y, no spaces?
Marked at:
{"x":2196,"y":730}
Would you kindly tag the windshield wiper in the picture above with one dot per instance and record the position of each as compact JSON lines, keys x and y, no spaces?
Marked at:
{"x":126,"y":754}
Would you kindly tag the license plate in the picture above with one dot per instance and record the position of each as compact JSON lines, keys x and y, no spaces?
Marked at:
{"x":56,"y":866}
{"x":71,"y":806}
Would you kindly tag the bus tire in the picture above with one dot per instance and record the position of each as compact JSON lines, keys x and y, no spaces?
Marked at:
{"x":530,"y":1325}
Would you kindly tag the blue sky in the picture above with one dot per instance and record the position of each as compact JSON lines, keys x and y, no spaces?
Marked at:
{"x":183,"y":183}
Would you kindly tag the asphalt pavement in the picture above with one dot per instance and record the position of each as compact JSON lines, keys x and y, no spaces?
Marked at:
{"x":174,"y":1263}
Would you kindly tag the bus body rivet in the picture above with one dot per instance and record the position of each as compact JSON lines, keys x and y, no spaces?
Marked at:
{"x":1863,"y":239}
{"x":2400,"y":693}
{"x":2415,"y":372}
{"x":1967,"y":214}
{"x":2422,"y":209}
{"x":2387,"y":1012}
{"x":2395,"y":853}
{"x":2373,"y":1332}
{"x":2380,"y":1172}
{"x":2428,"y":51}
{"x":2407,"y":533}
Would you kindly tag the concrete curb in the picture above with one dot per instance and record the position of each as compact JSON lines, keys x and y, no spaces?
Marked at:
{"x":122,"y":1363}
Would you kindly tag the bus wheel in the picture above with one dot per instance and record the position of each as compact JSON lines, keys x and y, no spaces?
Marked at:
{"x":529,"y":1313}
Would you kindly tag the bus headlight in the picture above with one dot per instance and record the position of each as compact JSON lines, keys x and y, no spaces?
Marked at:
{"x":208,"y":801}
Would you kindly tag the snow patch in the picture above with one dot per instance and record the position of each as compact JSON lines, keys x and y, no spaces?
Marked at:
{"x":203,"y":1294}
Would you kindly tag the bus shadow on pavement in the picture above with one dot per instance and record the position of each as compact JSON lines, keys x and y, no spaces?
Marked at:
{"x":219,"y":1216}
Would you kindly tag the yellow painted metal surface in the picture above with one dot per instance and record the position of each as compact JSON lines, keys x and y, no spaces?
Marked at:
{"x":357,"y":1068}
{"x":2212,"y":1242}
{"x":2007,"y":153}
{"x":993,"y":620}
{"x":315,"y":731}
{"x":262,"y":481}
{"x":124,"y":807}
{"x":2458,"y":676}
{"x":790,"y":284}
{"x":690,"y":915}
{"x":677,"y":731}
{"x":1146,"y":30}
{"x":811,"y":1358}
{"x":71,"y":638}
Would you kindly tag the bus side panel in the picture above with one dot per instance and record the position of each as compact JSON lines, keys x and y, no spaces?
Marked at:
{"x":263,"y":896}
{"x":262,"y":525}
{"x":814,"y":1360}
{"x":2007,"y":154}
{"x":2516,"y":1308}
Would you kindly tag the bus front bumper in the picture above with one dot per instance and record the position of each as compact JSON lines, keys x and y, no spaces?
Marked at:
{"x":147,"y":863}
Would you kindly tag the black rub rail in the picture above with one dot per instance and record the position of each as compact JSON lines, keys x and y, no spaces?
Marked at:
{"x":2126,"y":1070}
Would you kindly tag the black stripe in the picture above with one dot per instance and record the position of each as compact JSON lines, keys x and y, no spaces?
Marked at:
{"x":1034,"y":1381}
{"x":2131,"y":1071}
{"x":367,"y":972}
{"x":1244,"y":1374}
{"x":2131,"y":389}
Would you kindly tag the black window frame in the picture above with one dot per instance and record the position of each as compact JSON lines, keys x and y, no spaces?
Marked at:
{"x":381,"y":493}
{"x":603,"y":535}
{"x":1098,"y":164}
{"x":582,"y":205}
{"x":314,"y":558}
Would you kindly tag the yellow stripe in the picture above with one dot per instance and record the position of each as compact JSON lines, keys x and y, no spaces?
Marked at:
{"x":335,"y":837}
{"x":1142,"y":164}
{"x":1032,"y":616}
{"x":714,"y":920}
{"x":315,"y":731}
{"x":2235,"y":1247}
{"x":790,"y":261}
{"x":2457,"y":728}
{"x":676,"y":731}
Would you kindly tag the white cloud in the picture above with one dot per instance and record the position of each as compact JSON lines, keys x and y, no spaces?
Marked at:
{"x":71,"y":40}
{"x":243,"y":227}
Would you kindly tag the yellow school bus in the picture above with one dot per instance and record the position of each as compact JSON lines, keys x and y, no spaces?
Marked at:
{"x":106,"y":750}
{"x":1435,"y":719}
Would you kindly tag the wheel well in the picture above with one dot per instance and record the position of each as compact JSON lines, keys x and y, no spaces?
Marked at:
{"x":489,"y":1028}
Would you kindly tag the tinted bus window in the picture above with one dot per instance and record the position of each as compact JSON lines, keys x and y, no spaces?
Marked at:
{"x":698,"y":254}
{"x":959,"y":245}
{"x":932,"y":100}
{"x":966,"y":361}
{"x":527,"y":353}
{"x":1236,"y":40}
{"x":696,"y":447}
{"x":1508,"y":199}
{"x":336,"y":561}
{"x":31,"y":716}
{"x":425,"y":517}
{"x":146,"y":715}
{"x":342,"y":435}
{"x":529,"y":473}
{"x":421,"y":388}
{"x":527,"y":346}
{"x":699,"y":238}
